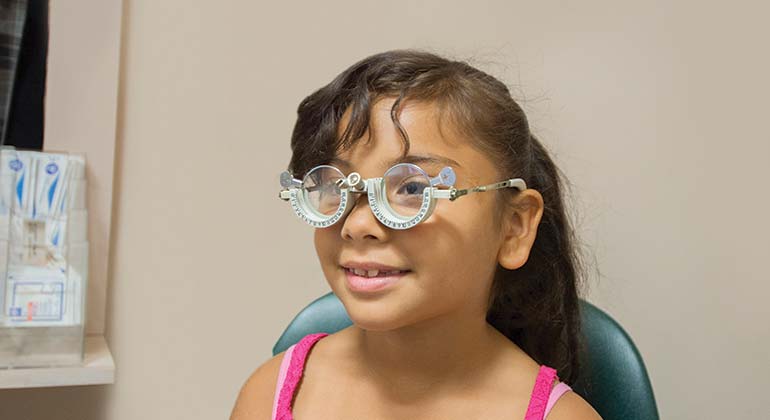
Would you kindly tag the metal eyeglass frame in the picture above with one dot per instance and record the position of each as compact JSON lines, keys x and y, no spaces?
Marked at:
{"x":373,"y":187}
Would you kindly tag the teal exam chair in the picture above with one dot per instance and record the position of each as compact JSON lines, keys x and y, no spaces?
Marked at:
{"x":613,"y":377}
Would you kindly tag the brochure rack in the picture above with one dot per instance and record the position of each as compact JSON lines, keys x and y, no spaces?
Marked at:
{"x":43,"y":258}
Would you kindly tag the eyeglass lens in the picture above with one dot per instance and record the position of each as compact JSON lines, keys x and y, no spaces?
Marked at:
{"x":404,"y":186}
{"x":321,"y":190}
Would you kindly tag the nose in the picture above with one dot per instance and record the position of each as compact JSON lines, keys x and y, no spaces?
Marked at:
{"x":361,"y":224}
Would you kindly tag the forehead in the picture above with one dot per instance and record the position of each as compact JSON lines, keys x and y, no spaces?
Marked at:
{"x":434,"y":143}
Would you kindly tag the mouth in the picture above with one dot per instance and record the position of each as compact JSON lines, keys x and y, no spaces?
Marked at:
{"x":373,"y":273}
{"x":361,"y":278}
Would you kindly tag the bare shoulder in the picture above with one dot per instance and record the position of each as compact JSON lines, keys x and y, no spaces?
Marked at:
{"x":571,"y":406}
{"x":255,"y":400}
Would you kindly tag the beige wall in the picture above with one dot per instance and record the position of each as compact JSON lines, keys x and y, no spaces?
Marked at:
{"x":657,"y":112}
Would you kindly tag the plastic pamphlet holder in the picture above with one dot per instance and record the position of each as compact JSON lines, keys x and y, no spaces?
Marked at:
{"x":43,"y":258}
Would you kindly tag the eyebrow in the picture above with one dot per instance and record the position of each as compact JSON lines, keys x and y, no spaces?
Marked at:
{"x":415,"y":159}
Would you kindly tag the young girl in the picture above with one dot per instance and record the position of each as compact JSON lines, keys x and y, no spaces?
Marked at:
{"x":440,"y":226}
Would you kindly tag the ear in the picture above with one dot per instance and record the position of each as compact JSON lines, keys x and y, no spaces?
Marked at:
{"x":520,"y":223}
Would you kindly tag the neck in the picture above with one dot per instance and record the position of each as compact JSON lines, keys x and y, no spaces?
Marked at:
{"x":437,"y":353}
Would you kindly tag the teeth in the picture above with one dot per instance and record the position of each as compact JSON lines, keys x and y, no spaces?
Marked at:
{"x":373,"y":273}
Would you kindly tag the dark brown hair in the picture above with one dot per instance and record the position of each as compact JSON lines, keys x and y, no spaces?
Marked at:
{"x":536,"y":306}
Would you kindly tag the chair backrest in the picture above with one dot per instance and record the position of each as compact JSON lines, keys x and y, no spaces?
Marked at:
{"x":613,"y":377}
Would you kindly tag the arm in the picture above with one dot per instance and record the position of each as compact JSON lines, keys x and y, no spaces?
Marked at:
{"x":255,"y":400}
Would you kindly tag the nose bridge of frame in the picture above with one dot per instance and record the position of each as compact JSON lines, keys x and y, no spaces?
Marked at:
{"x":355,"y":182}
{"x":357,"y":186}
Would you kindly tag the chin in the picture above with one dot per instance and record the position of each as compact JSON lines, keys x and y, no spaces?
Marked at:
{"x":374,"y":315}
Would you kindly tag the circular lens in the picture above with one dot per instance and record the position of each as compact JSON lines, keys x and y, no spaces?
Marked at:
{"x":404,"y":185}
{"x":322,"y":192}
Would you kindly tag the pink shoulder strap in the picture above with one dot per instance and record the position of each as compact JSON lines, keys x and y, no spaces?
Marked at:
{"x":290,"y":373}
{"x":556,"y":393}
{"x":543,"y":398}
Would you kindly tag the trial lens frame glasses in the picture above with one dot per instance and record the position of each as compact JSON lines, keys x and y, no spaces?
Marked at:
{"x":405,"y":196}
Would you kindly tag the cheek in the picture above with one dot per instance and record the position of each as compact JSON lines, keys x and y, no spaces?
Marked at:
{"x":326,"y":245}
{"x":473,"y":218}
{"x":460,"y":242}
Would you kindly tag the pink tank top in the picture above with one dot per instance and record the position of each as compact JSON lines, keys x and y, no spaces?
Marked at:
{"x":293,"y":364}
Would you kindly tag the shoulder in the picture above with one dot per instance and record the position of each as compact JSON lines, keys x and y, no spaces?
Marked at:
{"x":571,"y":406}
{"x":255,"y":400}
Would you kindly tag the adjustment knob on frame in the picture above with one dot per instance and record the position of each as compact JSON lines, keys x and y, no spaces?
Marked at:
{"x":447,"y":176}
{"x":354,"y":181}
{"x":288,"y":181}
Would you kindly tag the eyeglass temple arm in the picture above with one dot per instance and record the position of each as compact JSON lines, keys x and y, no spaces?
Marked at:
{"x":453,"y":193}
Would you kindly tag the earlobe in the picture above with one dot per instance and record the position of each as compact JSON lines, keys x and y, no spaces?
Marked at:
{"x":520,"y":229}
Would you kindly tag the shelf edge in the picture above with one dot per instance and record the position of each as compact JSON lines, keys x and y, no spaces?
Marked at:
{"x":98,"y":368}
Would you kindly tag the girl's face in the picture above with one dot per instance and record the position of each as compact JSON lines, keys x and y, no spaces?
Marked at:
{"x":450,"y":258}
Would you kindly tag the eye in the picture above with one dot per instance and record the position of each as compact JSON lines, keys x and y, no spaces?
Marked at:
{"x":330,"y":187}
{"x":412,"y":188}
